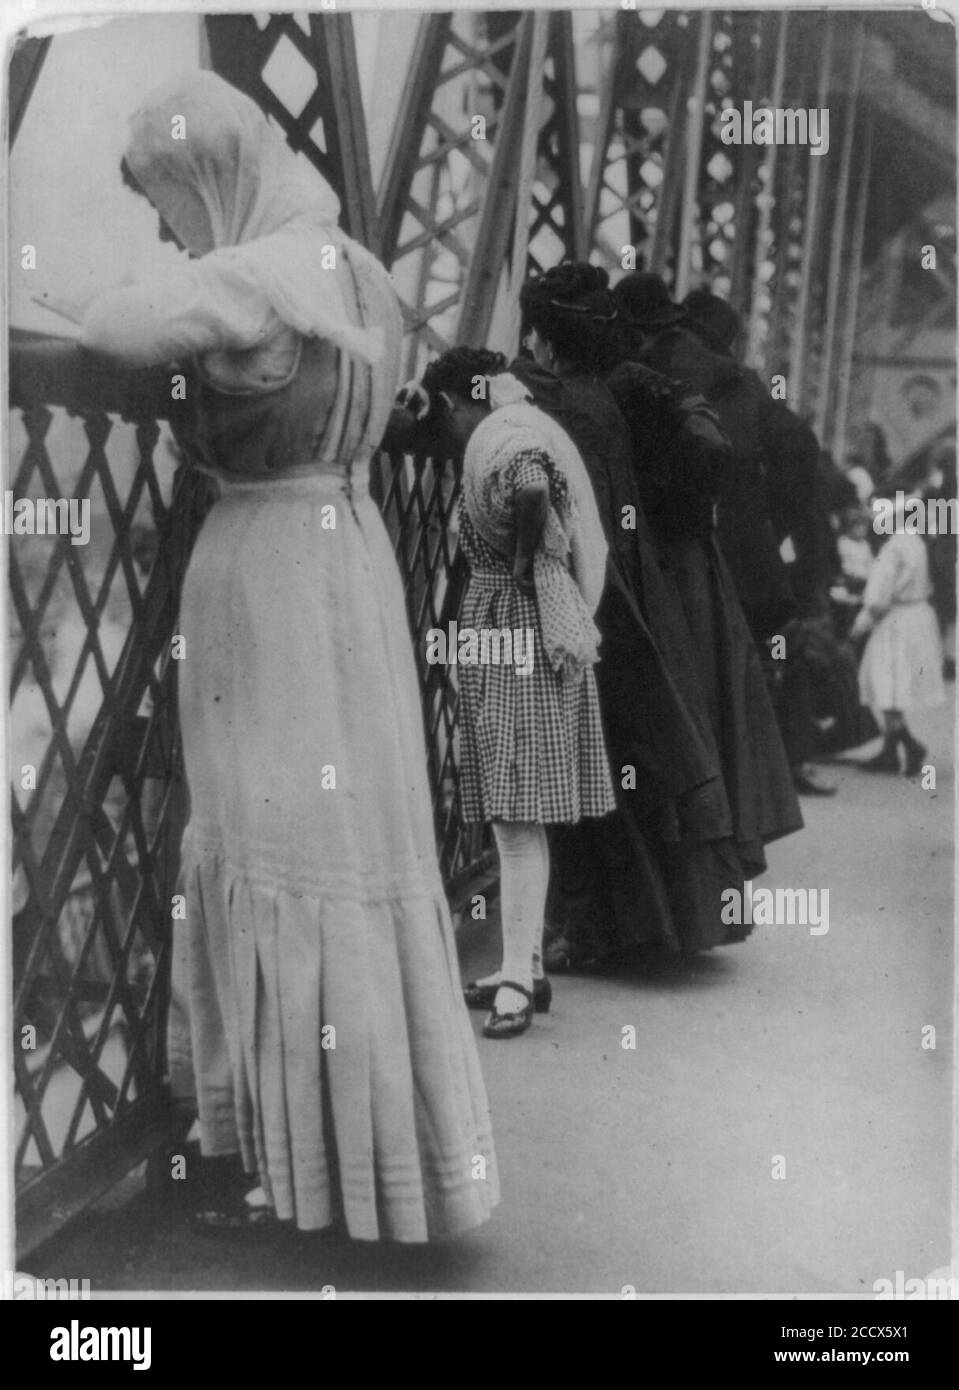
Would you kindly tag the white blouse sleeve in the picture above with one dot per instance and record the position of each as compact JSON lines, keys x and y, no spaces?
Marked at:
{"x":212,"y":304}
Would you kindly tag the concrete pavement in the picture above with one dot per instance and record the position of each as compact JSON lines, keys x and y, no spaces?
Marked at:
{"x":792,"y":1053}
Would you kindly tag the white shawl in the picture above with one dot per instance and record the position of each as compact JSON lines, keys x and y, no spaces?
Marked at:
{"x":569,"y":565}
{"x":226,"y":182}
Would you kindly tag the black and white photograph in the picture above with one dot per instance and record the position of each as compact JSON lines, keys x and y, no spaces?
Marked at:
{"x":480,"y":513}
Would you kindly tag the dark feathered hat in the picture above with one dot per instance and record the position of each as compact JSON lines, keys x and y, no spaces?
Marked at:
{"x":714,"y":317}
{"x":643,"y":299}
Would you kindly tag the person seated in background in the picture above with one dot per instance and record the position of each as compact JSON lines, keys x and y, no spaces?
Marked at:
{"x":855,"y":561}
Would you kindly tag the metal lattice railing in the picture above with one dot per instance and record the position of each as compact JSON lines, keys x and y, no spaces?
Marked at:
{"x":97,"y":798}
{"x":417,"y":497}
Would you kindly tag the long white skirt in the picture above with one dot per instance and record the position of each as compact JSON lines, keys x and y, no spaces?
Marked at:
{"x":330,"y":1042}
{"x":901,"y":665}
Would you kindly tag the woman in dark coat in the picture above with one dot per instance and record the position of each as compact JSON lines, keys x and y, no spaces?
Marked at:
{"x":756,"y":770}
{"x":670,"y":845}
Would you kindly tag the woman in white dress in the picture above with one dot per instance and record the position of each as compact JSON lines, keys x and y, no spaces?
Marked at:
{"x":330,"y":1044}
{"x":901,"y":667}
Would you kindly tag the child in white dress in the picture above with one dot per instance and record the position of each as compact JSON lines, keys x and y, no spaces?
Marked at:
{"x":901,"y":666}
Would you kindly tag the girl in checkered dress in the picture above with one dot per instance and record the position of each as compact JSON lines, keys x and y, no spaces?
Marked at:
{"x":532,"y":740}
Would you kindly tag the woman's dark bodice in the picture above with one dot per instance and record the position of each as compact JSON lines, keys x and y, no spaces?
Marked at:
{"x":302,"y":401}
{"x":268,"y":431}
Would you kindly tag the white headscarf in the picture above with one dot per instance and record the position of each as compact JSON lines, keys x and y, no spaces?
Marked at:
{"x":231,"y":187}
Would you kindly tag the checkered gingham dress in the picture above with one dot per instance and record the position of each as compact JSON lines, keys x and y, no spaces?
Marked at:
{"x":532,"y":746}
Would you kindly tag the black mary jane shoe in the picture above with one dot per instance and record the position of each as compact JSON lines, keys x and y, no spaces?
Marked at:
{"x":510,"y":1025}
{"x":482,"y":996}
{"x":563,"y":957}
{"x":233,"y":1212}
{"x":808,"y":781}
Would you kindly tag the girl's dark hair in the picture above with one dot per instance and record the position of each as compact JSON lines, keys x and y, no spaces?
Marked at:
{"x":571,"y":306}
{"x":455,"y":370}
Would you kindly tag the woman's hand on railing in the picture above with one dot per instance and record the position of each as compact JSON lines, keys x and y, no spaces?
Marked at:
{"x":414,"y":398}
{"x":68,"y":304}
{"x":46,"y":370}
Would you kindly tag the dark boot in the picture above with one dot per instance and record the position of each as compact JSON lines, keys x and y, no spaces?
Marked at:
{"x":915,"y":752}
{"x":809,"y":781}
{"x":887,"y":760}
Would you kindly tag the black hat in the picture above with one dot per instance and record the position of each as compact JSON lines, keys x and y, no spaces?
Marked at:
{"x":716,"y":320}
{"x":644,"y":301}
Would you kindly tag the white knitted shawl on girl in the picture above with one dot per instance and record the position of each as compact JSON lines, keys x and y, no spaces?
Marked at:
{"x":569,"y":564}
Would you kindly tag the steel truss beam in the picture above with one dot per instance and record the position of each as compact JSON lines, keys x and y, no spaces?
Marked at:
{"x":26,"y":60}
{"x":240,"y":50}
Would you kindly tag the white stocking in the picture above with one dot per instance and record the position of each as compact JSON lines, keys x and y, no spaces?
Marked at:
{"x":524,"y":879}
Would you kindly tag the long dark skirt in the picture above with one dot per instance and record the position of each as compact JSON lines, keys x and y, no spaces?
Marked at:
{"x":650,"y":877}
{"x":756,"y":772}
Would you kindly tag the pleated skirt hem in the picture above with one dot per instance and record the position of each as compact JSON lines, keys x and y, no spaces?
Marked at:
{"x":331,"y":1051}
